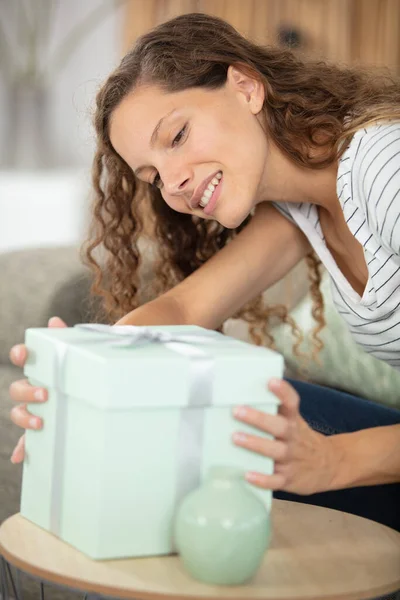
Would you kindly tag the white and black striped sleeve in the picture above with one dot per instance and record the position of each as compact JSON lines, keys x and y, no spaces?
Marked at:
{"x":377,"y":173}
{"x":284,"y":210}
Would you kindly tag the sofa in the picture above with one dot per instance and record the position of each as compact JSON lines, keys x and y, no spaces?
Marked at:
{"x":34,"y":285}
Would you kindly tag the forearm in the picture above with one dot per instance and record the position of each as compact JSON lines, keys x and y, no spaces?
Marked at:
{"x":367,"y":457}
{"x":164,"y":310}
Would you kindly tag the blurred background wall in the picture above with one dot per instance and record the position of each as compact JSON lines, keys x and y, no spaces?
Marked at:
{"x":365,"y":31}
{"x":54,"y":55}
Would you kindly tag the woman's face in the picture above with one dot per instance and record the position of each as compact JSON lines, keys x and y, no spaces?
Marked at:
{"x":206,"y":150}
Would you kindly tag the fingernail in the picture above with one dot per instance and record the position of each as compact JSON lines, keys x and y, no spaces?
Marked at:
{"x":17,"y":353}
{"x":239,"y":437}
{"x":252,"y":477}
{"x":240,"y":411}
{"x":275,"y":382}
{"x":12,"y":458}
{"x":39,"y":394}
{"x":33,"y":422}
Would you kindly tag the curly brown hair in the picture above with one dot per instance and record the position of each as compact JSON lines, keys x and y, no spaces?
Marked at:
{"x":302,"y":100}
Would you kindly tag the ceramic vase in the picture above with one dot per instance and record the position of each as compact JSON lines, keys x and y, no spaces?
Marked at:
{"x":222,"y":529}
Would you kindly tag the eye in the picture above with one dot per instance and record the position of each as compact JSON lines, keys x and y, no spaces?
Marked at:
{"x":156,"y":181}
{"x":179,"y":136}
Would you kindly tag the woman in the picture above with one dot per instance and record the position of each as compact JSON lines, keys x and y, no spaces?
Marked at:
{"x":224,"y":141}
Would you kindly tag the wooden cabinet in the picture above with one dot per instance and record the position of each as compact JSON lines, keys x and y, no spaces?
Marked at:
{"x":377,"y":34}
{"x":346,"y":31}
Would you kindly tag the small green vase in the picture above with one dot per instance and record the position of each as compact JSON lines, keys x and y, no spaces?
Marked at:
{"x":222,"y":529}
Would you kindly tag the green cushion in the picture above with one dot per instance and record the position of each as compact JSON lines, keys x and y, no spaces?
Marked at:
{"x":344,"y":364}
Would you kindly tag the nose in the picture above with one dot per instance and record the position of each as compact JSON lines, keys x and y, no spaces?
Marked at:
{"x":177,"y":181}
{"x":177,"y":189}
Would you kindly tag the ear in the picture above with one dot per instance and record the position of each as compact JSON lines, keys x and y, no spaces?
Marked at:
{"x":250,"y":88}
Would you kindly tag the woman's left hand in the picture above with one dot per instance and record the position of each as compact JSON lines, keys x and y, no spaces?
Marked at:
{"x":306,"y":461}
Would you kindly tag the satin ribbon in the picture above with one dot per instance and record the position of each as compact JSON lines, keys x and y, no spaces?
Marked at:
{"x":191,"y":426}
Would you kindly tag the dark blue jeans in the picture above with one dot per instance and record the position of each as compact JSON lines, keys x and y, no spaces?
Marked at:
{"x":331,"y":411}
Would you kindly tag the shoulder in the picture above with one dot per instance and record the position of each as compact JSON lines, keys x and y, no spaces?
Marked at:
{"x":376,"y":151}
{"x":375,"y":180}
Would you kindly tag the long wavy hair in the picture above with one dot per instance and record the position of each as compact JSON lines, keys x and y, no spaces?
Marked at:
{"x":302,"y":100}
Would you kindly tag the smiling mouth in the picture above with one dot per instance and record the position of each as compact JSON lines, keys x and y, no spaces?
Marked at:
{"x":208,"y":192}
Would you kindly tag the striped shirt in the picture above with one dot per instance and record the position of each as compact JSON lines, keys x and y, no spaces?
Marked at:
{"x":368,"y":188}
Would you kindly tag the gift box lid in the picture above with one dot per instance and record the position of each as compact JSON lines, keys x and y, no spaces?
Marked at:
{"x":92,"y":366}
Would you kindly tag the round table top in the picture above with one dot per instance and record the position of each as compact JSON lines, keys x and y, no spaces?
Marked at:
{"x":315,"y":553}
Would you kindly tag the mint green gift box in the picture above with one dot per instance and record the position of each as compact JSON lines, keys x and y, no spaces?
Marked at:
{"x":130,"y":427}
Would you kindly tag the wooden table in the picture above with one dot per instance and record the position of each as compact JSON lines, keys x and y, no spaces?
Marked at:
{"x":316,"y":554}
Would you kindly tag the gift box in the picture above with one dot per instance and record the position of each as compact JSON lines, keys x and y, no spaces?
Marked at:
{"x":135,"y":418}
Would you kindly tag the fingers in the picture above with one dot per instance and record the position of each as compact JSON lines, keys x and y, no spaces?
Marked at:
{"x":280,"y":425}
{"x":18,"y":454}
{"x":275,"y":449}
{"x":268,"y":482}
{"x":23,"y":418}
{"x":56,"y":322}
{"x":276,"y":425}
{"x":18,"y":354}
{"x":23,"y":391}
{"x":288,"y":396}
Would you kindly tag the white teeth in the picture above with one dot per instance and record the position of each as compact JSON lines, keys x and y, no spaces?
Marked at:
{"x":204,"y":201}
{"x":208,"y":192}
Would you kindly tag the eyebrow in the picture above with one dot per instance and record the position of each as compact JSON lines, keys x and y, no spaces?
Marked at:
{"x":154,"y":137}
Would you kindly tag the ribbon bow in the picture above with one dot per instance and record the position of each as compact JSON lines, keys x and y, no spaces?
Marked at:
{"x":133,"y":335}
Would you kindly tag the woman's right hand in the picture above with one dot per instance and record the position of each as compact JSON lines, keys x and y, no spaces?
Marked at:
{"x":23,"y":392}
